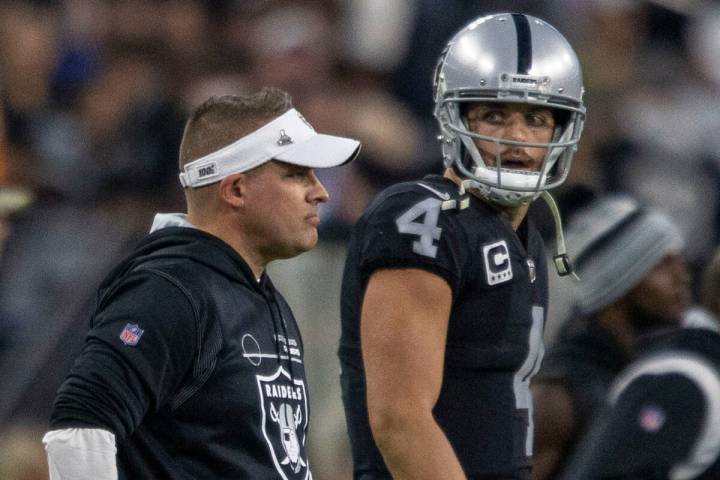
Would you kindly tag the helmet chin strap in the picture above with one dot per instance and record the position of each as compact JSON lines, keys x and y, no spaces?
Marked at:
{"x":561,"y":259}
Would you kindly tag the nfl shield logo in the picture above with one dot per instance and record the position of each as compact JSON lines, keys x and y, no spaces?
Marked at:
{"x":651,"y":418}
{"x":131,"y":334}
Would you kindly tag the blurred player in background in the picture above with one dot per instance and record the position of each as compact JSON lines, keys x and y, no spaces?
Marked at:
{"x":445,"y":286}
{"x":634,"y":281}
{"x":660,"y":418}
{"x":706,"y":314}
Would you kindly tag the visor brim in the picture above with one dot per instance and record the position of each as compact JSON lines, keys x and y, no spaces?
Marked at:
{"x":321,"y":151}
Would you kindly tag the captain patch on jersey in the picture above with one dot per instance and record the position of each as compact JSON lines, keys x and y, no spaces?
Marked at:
{"x":496,"y":258}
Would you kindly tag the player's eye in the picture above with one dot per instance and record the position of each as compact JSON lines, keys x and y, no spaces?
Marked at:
{"x":488,"y":116}
{"x":540,"y":119}
{"x":493,"y":116}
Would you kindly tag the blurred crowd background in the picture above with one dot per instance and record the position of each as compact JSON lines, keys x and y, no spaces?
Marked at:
{"x":94,"y":94}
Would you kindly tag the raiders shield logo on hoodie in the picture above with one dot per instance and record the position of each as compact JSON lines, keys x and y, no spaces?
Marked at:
{"x":284,"y":422}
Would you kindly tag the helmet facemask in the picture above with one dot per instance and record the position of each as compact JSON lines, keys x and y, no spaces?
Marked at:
{"x":498,"y":184}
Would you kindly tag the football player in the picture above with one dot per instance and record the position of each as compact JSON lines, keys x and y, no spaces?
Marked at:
{"x":660,"y":418}
{"x":630,"y":258}
{"x":445,"y":286}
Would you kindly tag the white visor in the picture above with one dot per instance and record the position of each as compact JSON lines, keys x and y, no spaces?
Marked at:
{"x":289,"y":138}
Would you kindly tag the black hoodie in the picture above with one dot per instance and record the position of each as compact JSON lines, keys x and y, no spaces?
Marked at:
{"x":193,"y":364}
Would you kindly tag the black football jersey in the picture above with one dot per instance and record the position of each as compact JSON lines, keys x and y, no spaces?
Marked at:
{"x":494,"y":344}
{"x":661,"y":417}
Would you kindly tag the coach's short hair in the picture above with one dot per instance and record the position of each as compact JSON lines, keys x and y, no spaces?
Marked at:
{"x":222,"y":120}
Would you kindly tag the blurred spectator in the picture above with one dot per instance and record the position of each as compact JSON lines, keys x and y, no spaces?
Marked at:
{"x":428,"y":28}
{"x":643,"y":79}
{"x":337,"y":96}
{"x":710,"y":286}
{"x":22,"y":456}
{"x":633,"y":281}
{"x":707,"y":313}
{"x":28,"y":49}
{"x":93,"y":165}
{"x":3,"y":152}
{"x":658,"y":420}
{"x":53,"y":253}
{"x":611,"y":38}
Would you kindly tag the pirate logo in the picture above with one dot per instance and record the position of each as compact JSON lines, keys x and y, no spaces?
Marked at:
{"x":289,"y":422}
{"x":284,"y":422}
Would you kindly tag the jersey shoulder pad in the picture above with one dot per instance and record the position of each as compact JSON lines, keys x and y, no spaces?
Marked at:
{"x":406,"y":227}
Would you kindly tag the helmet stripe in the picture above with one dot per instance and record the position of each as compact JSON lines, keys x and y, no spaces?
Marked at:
{"x":524,"y":43}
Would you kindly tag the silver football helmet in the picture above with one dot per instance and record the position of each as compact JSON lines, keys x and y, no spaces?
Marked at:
{"x":509,"y":58}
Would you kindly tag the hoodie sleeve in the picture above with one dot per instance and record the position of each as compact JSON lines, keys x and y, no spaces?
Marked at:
{"x":141,"y":345}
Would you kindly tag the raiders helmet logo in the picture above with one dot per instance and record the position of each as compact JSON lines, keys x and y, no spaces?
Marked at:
{"x":498,"y":268}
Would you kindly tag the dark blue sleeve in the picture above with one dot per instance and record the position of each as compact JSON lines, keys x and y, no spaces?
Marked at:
{"x":141,"y":345}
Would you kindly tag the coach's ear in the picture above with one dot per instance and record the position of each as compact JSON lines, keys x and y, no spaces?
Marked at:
{"x":233,"y":189}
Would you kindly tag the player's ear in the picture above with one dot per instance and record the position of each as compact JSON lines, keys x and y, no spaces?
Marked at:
{"x":233,"y":189}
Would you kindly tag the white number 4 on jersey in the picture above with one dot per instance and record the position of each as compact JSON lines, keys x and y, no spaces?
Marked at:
{"x":427,"y":229}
